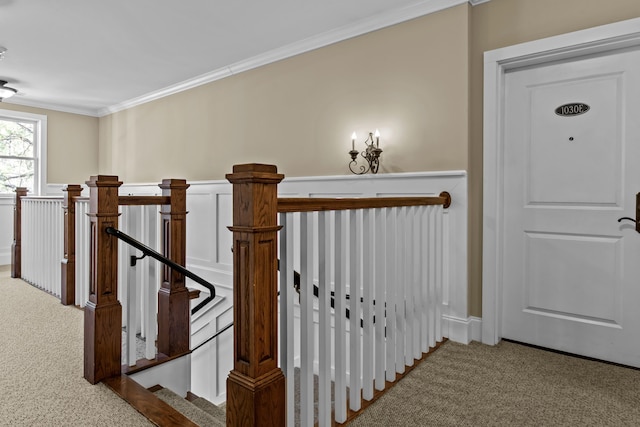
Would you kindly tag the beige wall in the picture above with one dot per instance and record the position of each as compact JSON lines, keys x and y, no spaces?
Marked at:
{"x":501,"y":23}
{"x":72,"y":144}
{"x":299,"y":113}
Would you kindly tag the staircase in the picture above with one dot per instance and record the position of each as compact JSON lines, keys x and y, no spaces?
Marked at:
{"x":165,"y":408}
{"x":197,"y":409}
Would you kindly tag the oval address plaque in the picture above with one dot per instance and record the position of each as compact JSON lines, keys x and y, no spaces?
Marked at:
{"x":573,"y":109}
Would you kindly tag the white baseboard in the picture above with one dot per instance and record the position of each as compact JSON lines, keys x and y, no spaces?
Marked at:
{"x":463,"y":330}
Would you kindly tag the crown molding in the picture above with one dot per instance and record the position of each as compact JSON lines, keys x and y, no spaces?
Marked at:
{"x":477,"y":2}
{"x":376,"y":22}
{"x":52,"y":106}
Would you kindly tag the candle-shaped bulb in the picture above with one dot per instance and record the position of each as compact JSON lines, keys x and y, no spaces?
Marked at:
{"x":353,"y":141}
{"x":377,"y":135}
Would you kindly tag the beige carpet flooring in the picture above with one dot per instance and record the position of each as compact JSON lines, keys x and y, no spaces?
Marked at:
{"x":508,"y":385}
{"x":41,"y":366}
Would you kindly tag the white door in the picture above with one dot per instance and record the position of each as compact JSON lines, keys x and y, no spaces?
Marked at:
{"x":571,"y":271}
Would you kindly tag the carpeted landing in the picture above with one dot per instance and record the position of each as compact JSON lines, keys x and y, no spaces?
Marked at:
{"x":508,"y":385}
{"x":41,"y":365}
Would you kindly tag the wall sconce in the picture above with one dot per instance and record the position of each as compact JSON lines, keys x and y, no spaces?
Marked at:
{"x":371,"y":154}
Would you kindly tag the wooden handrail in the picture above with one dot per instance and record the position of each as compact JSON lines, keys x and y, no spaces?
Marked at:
{"x":134,"y":200}
{"x":144,"y":200}
{"x":43,"y":197}
{"x":294,"y":204}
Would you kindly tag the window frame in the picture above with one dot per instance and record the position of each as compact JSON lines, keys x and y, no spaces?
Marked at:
{"x":39,"y":149}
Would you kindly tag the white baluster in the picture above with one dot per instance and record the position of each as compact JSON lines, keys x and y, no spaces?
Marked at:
{"x":400,"y":287}
{"x":41,"y":248}
{"x":368,"y":338}
{"x":324,"y":328}
{"x":409,"y":277}
{"x":82,"y":252}
{"x":37,"y":252}
{"x":55,"y":270}
{"x":26,"y":229}
{"x":30,"y":250}
{"x":438,"y":221}
{"x":355,"y":285}
{"x":391,"y":294}
{"x":340,"y":263}
{"x":287,"y":293}
{"x":306,"y":319}
{"x":432,"y":278}
{"x":123,"y":265}
{"x":133,"y":224}
{"x":380,"y":296}
{"x":79,"y":253}
{"x":417,"y":290}
{"x":45,"y":249}
{"x":446,"y":253}
{"x":151,"y":304}
{"x":51,"y":256}
{"x":424,"y":279}
{"x":53,"y":249}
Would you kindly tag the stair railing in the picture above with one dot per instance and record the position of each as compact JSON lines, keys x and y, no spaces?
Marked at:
{"x":41,"y":248}
{"x":103,"y":311}
{"x":94,"y":278}
{"x":132,"y":312}
{"x":148,"y":251}
{"x":387,"y":250}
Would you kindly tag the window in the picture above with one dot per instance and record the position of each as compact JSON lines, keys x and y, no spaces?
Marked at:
{"x":22,"y":152}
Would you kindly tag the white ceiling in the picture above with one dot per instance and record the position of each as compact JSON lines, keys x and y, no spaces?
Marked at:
{"x":98,"y":56}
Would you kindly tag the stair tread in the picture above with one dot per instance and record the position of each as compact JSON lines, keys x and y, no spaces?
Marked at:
{"x":191,"y":410}
{"x":210,"y":408}
{"x":148,"y":404}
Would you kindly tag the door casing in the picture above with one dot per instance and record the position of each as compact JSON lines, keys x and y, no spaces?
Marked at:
{"x":496,"y":63}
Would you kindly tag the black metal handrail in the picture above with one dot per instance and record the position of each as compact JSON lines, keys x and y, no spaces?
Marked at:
{"x":146,"y":250}
{"x":213,"y":336}
{"x":316,"y":293}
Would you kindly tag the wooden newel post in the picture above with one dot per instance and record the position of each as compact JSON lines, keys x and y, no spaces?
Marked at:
{"x":173,"y":297}
{"x":256,"y":385}
{"x":68,"y":263}
{"x":103,"y":312}
{"x":16,"y":246}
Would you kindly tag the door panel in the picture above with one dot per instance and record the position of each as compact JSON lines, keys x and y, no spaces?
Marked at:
{"x":550,"y":266}
{"x":571,"y":271}
{"x":588,"y":142}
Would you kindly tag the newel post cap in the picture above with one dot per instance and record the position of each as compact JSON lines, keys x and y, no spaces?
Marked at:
{"x":104,"y":181}
{"x":254,"y":172}
{"x":174,"y":184}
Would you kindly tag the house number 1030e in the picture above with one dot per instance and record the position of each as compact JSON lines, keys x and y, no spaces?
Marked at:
{"x":573,"y":109}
